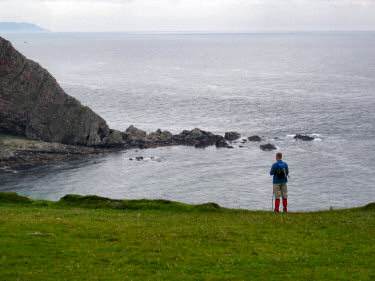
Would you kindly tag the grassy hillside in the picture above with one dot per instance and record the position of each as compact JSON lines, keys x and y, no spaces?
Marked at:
{"x":94,"y":238}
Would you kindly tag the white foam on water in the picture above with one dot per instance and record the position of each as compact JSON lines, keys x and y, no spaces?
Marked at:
{"x":79,"y":85}
{"x":9,"y":170}
{"x":212,"y":87}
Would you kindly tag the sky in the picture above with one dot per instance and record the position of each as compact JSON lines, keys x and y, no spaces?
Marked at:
{"x":191,"y":15}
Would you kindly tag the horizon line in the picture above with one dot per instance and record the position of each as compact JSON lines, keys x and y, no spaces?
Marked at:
{"x":192,"y":32}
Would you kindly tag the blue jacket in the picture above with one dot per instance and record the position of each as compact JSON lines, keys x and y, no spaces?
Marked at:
{"x":274,"y":169}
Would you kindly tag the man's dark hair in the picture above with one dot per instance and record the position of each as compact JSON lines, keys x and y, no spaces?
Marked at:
{"x":279,"y":155}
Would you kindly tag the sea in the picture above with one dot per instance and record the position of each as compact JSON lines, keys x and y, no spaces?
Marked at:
{"x":274,"y":85}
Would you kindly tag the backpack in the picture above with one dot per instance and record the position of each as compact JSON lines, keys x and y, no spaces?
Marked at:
{"x":281,"y":172}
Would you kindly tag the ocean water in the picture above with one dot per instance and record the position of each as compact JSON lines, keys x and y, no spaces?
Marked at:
{"x":274,"y":85}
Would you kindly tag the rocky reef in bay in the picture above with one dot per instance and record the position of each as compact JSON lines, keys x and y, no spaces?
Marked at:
{"x":46,"y":124}
{"x":198,"y":138}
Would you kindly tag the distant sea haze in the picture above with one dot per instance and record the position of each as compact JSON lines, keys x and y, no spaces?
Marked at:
{"x":272,"y":85}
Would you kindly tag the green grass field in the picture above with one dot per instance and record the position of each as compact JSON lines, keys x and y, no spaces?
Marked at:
{"x":93,"y":238}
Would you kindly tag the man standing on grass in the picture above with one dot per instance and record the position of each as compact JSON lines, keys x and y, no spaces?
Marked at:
{"x":280,"y":172}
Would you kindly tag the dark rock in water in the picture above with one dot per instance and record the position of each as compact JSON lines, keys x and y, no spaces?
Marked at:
{"x":201,"y":145}
{"x":231,"y":136}
{"x":32,"y":104}
{"x":229,"y":146}
{"x":255,"y":138}
{"x":197,"y":138}
{"x":244,"y":140}
{"x":267,"y":146}
{"x":303,"y":137}
{"x":139,"y":158}
{"x":220,"y":142}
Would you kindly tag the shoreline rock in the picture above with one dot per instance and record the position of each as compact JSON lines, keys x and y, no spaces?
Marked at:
{"x":267,"y":147}
{"x":27,"y":151}
{"x":136,"y":138}
{"x":303,"y":137}
{"x":32,"y":152}
{"x":255,"y":138}
{"x":197,"y":138}
{"x":231,"y":136}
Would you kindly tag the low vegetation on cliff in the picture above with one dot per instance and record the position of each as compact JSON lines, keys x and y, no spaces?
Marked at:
{"x":95,"y":238}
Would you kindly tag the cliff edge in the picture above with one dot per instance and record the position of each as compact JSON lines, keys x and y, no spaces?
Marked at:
{"x":33,"y":105}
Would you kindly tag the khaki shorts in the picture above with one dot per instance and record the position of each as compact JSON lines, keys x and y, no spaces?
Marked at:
{"x":280,"y":190}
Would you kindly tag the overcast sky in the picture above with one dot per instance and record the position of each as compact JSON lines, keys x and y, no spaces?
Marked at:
{"x":192,"y":15}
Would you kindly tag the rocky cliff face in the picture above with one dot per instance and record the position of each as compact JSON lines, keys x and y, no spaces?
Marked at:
{"x":32,"y":104}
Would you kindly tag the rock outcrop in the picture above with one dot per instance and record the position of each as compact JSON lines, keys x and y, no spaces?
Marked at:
{"x":267,"y":146}
{"x":32,"y":104}
{"x":231,"y":136}
{"x":197,"y":138}
{"x":134,"y":137}
{"x":303,"y":137}
{"x":221,"y":143}
{"x":159,"y":136}
{"x":255,"y":138}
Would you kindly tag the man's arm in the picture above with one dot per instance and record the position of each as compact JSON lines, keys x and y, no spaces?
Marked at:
{"x":287,"y":170}
{"x":272,"y":170}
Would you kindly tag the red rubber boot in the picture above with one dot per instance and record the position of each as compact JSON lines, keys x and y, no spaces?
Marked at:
{"x":277,"y":204}
{"x":285,"y":204}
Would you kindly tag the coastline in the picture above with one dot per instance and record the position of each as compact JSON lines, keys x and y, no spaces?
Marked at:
{"x":16,"y":151}
{"x":19,"y":151}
